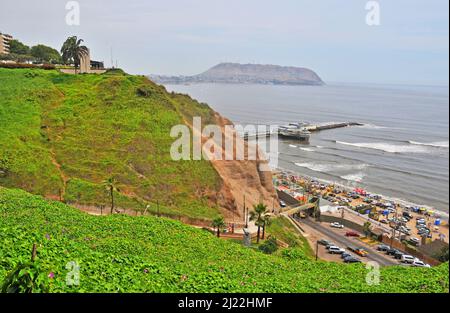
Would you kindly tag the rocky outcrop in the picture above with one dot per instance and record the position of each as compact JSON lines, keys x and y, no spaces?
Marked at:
{"x":249,"y":179}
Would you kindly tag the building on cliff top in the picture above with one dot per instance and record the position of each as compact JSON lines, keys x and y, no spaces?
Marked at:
{"x":4,"y":43}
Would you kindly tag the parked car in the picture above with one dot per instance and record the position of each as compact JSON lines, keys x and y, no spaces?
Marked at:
{"x":407,"y":215}
{"x":408,"y":259}
{"x":418,"y":263}
{"x":324,"y":242}
{"x":351,"y":234}
{"x":391,"y":251}
{"x":345,"y":255}
{"x":384,"y":221}
{"x":398,"y":255}
{"x":329,"y":245}
{"x":336,"y":225}
{"x":352,"y":259}
{"x":414,"y":241}
{"x":282,"y":204}
{"x":383,"y":247}
{"x":335,"y":250}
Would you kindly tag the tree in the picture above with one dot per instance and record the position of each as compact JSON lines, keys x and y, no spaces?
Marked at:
{"x":16,"y":47}
{"x":218,"y":223}
{"x":45,"y":54}
{"x":366,"y":228}
{"x":72,"y":51}
{"x":258,"y":217}
{"x":111,"y":186}
{"x":266,"y":222}
{"x":442,"y":256}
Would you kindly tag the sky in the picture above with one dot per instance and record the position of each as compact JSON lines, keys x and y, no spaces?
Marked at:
{"x":186,"y":37}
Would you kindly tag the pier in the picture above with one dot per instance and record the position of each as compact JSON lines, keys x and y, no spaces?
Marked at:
{"x":310,"y":128}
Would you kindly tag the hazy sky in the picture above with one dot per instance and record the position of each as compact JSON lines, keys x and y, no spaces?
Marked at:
{"x":189,"y":36}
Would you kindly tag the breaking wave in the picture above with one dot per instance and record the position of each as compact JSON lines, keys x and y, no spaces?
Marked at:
{"x":438,"y":144}
{"x":324,"y":167}
{"x":386,"y":147}
{"x":357,"y":177}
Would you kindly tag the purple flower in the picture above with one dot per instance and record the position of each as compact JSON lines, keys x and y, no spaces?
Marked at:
{"x":51,"y":275}
{"x":145,"y":270}
{"x":47,"y":236}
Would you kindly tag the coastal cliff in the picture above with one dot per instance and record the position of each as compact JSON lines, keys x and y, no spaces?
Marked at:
{"x":235,"y":73}
{"x":64,"y":136}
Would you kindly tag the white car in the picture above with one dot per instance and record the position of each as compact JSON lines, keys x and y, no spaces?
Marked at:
{"x":336,"y":225}
{"x":419,"y":263}
{"x":335,"y":250}
{"x":408,"y":259}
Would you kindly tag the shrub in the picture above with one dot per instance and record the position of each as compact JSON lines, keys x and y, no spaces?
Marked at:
{"x":269,"y":246}
{"x":25,"y":65}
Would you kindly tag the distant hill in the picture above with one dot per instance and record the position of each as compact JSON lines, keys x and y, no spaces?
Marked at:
{"x":234,"y":73}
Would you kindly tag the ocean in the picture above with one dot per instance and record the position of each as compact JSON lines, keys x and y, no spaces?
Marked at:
{"x":401,"y":152}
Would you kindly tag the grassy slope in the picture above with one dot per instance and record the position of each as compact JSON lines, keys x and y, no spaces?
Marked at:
{"x":148,"y":254}
{"x":65,"y":134}
{"x":283,"y":230}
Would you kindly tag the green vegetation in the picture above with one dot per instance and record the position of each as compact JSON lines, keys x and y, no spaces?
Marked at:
{"x":64,"y":135}
{"x":17,"y":47}
{"x":72,"y":51}
{"x":258,"y":215}
{"x":119,"y":253}
{"x":269,"y":246}
{"x":40,"y":53}
{"x":283,"y":230}
{"x":218,"y":223}
{"x":45,"y":54}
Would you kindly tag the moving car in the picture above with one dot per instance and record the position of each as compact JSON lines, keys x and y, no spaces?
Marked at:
{"x":359,"y":251}
{"x":336,"y":225}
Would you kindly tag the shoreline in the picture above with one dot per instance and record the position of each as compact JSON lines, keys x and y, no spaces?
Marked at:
{"x":443,"y":215}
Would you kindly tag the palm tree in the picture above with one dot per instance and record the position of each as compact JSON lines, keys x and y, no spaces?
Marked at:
{"x":111,"y":186}
{"x":267,"y":222}
{"x":258,"y":217}
{"x":218,"y":223}
{"x":73,"y":51}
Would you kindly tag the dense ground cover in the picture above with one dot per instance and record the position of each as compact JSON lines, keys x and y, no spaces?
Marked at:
{"x":121,"y":253}
{"x":63,"y":135}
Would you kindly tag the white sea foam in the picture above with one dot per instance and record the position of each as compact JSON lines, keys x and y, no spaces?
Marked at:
{"x":292,"y":146}
{"x":437,"y":144}
{"x":387,"y":147}
{"x":326,"y":167}
{"x":307,"y":149}
{"x":372,"y":126}
{"x":356,"y":177}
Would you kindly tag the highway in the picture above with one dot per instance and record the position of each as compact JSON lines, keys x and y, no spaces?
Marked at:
{"x":344,"y":242}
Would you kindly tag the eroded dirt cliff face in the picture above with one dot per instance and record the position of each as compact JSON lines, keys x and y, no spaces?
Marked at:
{"x":242,"y":180}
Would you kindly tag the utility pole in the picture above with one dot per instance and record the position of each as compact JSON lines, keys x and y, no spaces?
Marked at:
{"x":317,"y":249}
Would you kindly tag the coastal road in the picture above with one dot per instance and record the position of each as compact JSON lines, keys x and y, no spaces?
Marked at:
{"x":344,"y":242}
